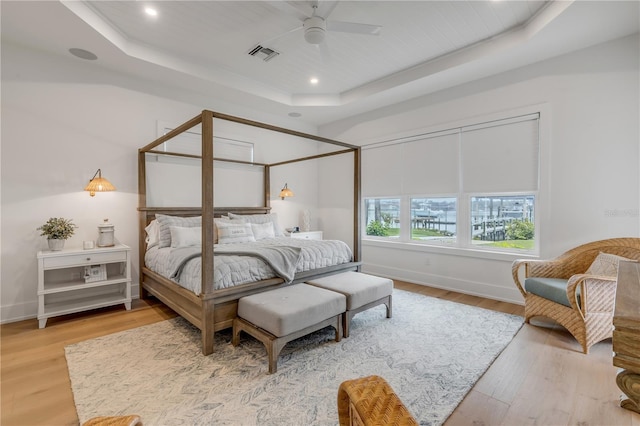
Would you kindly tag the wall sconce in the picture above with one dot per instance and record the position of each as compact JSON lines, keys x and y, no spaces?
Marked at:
{"x":99,"y":184}
{"x":286,"y":192}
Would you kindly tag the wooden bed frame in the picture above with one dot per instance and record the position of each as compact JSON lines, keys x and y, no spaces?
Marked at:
{"x":215,"y":310}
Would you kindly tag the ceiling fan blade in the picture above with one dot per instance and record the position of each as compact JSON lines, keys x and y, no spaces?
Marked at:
{"x":352,"y":27}
{"x":271,"y":40}
{"x":325,"y":8}
{"x":290,"y":9}
{"x":325,"y":54}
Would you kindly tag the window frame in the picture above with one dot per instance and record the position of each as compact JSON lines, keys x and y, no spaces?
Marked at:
{"x":464,"y":243}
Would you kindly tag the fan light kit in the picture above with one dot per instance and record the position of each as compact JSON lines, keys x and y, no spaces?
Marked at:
{"x":314,"y":29}
{"x":317,"y":24}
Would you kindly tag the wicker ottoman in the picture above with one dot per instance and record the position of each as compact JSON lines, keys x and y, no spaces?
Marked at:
{"x":362,"y":291}
{"x":279,"y":316}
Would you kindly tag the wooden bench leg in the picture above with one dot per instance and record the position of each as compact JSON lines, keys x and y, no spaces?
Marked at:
{"x":273,"y":344}
{"x":389,"y":307}
{"x":348,"y":316}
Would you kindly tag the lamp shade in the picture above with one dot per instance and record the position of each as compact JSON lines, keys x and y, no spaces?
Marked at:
{"x":286,"y":192}
{"x":99,"y":184}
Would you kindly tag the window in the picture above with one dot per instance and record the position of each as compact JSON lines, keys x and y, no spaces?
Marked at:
{"x":471,"y":187}
{"x":503,"y":221}
{"x":382,"y":217}
{"x":434,"y":220}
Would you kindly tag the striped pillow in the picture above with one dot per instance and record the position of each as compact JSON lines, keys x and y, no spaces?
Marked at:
{"x":261,"y":218}
{"x":165,"y":222}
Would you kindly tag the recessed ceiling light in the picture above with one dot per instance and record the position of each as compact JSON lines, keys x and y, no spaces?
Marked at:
{"x":313,"y":80}
{"x":295,"y":114}
{"x":150,"y":11}
{"x":83,"y":54}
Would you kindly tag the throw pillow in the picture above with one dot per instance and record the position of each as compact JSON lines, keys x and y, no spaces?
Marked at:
{"x":165,"y":222}
{"x":235,"y":233}
{"x":185,"y":237}
{"x":262,"y":230}
{"x":153,"y":234}
{"x":260,"y":218}
{"x":605,"y":264}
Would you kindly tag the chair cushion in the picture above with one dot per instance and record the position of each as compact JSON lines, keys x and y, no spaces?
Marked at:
{"x":550,"y":288}
{"x":289,"y":309}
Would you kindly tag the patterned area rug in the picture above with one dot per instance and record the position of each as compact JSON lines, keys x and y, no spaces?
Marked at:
{"x":431,"y":352}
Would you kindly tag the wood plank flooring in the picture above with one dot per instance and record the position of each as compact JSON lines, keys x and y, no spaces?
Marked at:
{"x":541,"y":378}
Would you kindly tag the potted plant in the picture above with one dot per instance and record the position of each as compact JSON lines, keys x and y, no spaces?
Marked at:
{"x":57,"y":230}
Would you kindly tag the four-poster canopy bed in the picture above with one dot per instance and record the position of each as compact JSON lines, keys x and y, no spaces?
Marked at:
{"x":210,"y":308}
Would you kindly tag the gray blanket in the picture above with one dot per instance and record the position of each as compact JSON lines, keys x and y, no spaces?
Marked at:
{"x":282,"y":259}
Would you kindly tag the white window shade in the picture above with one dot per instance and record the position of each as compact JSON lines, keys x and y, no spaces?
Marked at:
{"x":500,"y":156}
{"x":430,"y":165}
{"x":382,"y":171}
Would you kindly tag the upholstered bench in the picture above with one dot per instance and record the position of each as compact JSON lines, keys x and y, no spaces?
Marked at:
{"x":279,"y":316}
{"x":362,"y":291}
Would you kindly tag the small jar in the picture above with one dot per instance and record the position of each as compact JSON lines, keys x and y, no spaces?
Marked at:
{"x":106,"y":234}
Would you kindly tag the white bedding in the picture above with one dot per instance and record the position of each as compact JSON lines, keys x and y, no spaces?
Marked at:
{"x":234,"y":270}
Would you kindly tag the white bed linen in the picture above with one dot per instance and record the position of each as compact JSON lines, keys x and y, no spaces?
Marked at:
{"x":234,"y":270}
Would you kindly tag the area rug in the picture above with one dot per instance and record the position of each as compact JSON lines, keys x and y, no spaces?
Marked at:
{"x":431,"y":353}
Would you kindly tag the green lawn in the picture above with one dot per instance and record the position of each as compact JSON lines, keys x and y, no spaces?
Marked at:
{"x":512,"y":244}
{"x":515,"y":244}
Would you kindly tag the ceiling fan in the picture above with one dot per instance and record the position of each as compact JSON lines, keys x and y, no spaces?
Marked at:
{"x":317,"y":24}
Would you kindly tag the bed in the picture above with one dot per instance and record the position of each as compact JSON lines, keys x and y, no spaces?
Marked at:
{"x":198,"y":289}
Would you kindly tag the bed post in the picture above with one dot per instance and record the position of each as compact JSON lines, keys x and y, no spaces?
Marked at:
{"x":142,"y":219}
{"x":356,"y":206}
{"x":267,"y":186}
{"x":207,"y":317}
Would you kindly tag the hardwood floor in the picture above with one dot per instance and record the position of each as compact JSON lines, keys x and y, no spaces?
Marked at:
{"x":541,"y":378}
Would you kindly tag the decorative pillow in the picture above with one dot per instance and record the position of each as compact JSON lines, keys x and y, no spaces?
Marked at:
{"x":223,"y":219}
{"x":260,"y":218}
{"x":185,"y":237}
{"x":235,"y":233}
{"x":605,"y":264}
{"x":165,"y":221}
{"x":153,"y":234}
{"x":263,"y":230}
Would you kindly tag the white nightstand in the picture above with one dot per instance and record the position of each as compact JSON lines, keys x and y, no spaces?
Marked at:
{"x":63,"y":289}
{"x":309,"y":235}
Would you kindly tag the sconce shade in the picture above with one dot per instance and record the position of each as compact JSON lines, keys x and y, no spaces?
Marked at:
{"x":286,"y":192}
{"x":99,"y":184}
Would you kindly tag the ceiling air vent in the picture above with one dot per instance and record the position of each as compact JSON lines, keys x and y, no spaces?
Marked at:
{"x":263,"y":53}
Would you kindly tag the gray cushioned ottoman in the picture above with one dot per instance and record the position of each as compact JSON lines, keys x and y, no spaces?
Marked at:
{"x":279,"y":316}
{"x":362,"y":291}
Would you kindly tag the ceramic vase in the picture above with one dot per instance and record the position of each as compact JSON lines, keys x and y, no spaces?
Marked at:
{"x":306,"y":221}
{"x":55,"y":244}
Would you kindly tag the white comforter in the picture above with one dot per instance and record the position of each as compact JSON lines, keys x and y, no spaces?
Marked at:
{"x":235,"y":270}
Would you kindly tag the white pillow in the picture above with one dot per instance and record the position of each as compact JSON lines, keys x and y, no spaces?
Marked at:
{"x":605,"y":264}
{"x":153,"y":234}
{"x":166,"y":221}
{"x":229,"y":233}
{"x":263,"y":230}
{"x":223,"y":219}
{"x":261,"y":218}
{"x":185,"y":237}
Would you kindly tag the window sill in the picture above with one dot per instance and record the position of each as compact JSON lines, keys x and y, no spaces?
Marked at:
{"x":450,"y":250}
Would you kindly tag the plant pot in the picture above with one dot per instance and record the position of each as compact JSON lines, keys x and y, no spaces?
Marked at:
{"x":55,"y":244}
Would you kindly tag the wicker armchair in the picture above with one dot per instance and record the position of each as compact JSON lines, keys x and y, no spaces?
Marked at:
{"x":588,"y":312}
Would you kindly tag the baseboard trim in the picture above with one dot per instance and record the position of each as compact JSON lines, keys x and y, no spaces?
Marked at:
{"x":473,"y":288}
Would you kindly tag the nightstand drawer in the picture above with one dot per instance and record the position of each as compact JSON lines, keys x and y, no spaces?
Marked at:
{"x":84,"y":259}
{"x":308,"y":235}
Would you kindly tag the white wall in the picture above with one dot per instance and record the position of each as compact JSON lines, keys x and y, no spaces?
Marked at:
{"x":589,"y":170}
{"x":61,"y":121}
